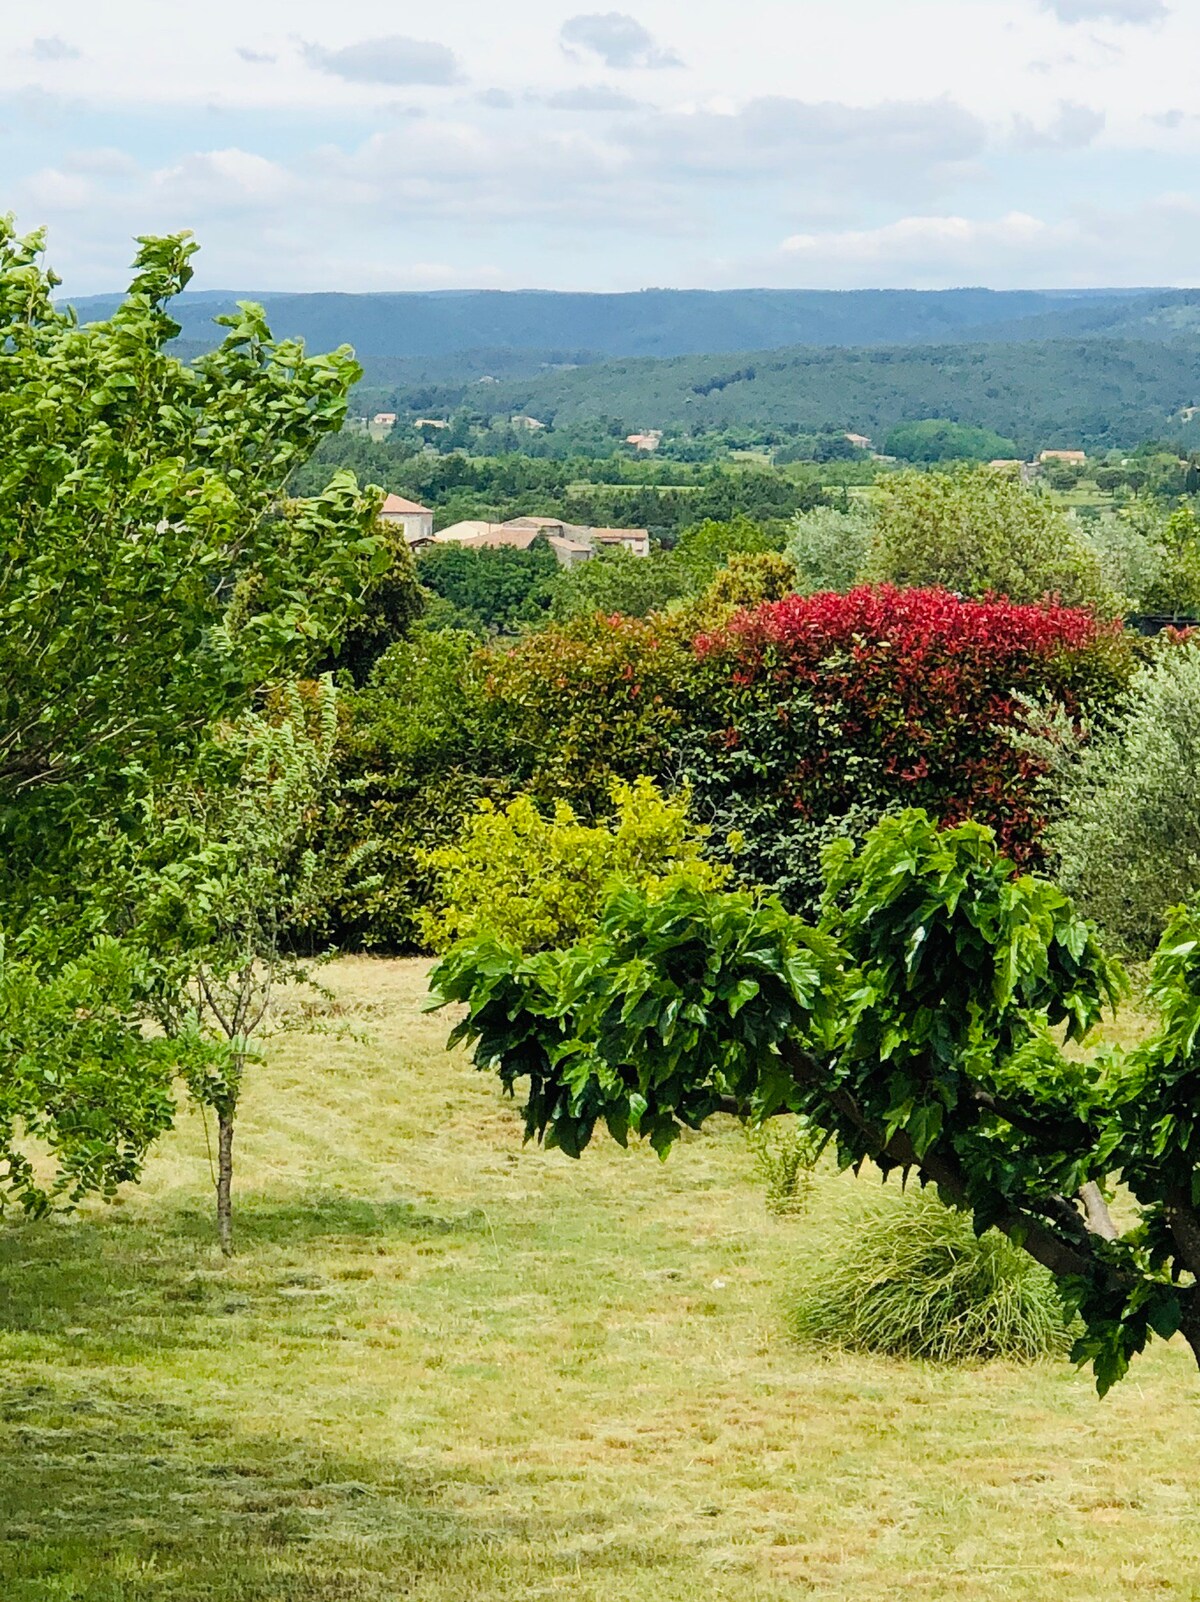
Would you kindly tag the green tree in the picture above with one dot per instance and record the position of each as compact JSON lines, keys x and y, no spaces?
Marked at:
{"x":500,"y":588}
{"x":708,"y":546}
{"x":153,"y":576}
{"x":618,"y":581}
{"x":979,"y":531}
{"x":1125,"y":840}
{"x":830,"y":548}
{"x":239,"y":882}
{"x":936,"y":439}
{"x":921,"y":1025}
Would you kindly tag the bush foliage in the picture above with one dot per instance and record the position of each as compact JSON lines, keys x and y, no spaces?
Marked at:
{"x":828,"y":711}
{"x":539,"y":881}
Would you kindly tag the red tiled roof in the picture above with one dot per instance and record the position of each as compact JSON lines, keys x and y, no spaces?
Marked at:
{"x":399,"y":507}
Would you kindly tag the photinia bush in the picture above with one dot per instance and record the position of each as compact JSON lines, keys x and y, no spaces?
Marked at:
{"x":818,"y":714}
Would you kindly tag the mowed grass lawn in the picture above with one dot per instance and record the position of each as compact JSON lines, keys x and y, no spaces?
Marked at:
{"x":445,"y":1368}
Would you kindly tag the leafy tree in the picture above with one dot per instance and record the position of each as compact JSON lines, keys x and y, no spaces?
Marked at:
{"x":830,"y":548}
{"x":705,"y":548}
{"x":240,"y":880}
{"x":1176,"y":587}
{"x":980,"y":532}
{"x":618,"y":581}
{"x":153,"y":577}
{"x":417,"y":751}
{"x":1125,"y":840}
{"x":539,"y":881}
{"x":393,"y":602}
{"x":920,"y":1025}
{"x":936,"y":439}
{"x":501,"y":587}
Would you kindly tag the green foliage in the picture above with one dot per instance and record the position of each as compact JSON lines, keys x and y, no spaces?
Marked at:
{"x":535,"y":882}
{"x":392,"y":604}
{"x":500,"y":588}
{"x":981,"y":532}
{"x":1176,"y":588}
{"x":786,"y":1152}
{"x":415,"y":756}
{"x":922,"y":1027}
{"x":936,"y":439}
{"x":154,"y":576}
{"x":707,"y":547}
{"x":239,"y":878}
{"x":908,"y":1277}
{"x":615,"y":580}
{"x":830,"y":548}
{"x":1126,"y":838}
{"x":586,"y":702}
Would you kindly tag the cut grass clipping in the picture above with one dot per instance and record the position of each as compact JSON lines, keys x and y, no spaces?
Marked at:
{"x":899,"y":1274}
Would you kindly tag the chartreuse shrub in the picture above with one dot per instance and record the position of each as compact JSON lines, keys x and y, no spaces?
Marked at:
{"x":923,"y":1024}
{"x":540,"y":880}
{"x":905,"y":1276}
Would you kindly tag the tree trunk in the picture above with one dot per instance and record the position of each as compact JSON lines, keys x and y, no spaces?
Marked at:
{"x":225,"y":1179}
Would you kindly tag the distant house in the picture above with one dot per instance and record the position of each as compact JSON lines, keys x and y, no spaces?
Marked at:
{"x":859,"y":441}
{"x":648,"y":441}
{"x":571,"y":542}
{"x":416,"y":521}
{"x":531,"y":425}
{"x":384,"y":420}
{"x":431,"y":422}
{"x":636,"y":540}
{"x":1071,"y":458}
{"x":1007,"y":464}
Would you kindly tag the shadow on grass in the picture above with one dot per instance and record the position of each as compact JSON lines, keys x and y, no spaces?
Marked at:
{"x":113,"y":1496}
{"x":153,"y":1277}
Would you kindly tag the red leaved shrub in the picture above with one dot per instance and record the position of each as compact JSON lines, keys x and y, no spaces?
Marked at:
{"x":841,"y":704}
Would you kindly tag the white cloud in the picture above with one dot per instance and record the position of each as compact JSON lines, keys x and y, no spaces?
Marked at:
{"x":619,"y":40}
{"x":1073,"y":128}
{"x":394,"y":60}
{"x":899,"y":146}
{"x":590,"y":97}
{"x":257,"y":58}
{"x":918,"y":240}
{"x":1133,"y":11}
{"x":54,"y":48}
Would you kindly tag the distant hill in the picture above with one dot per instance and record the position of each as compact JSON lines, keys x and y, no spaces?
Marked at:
{"x":1090,"y":392}
{"x":582,"y":328}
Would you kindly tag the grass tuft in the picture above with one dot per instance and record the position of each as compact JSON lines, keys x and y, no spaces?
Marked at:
{"x":900,"y":1275}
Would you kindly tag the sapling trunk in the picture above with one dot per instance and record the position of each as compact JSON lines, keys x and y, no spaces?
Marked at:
{"x":225,"y":1178}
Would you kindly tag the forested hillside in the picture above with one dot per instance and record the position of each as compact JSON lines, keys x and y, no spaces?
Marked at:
{"x":1090,"y":392}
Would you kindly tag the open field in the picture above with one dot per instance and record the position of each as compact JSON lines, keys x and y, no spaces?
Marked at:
{"x":444,"y":1368}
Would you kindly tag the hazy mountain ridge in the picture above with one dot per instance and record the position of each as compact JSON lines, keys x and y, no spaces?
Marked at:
{"x":669,"y":322}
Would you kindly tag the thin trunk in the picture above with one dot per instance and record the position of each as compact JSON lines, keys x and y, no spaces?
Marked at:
{"x":225,"y":1179}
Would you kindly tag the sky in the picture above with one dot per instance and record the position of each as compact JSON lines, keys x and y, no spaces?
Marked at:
{"x":380,"y":145}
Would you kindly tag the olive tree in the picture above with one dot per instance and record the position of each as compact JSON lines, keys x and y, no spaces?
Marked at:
{"x":152,"y":577}
{"x":922,"y":1024}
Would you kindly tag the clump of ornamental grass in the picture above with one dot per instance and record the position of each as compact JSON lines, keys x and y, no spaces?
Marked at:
{"x":902,"y":1275}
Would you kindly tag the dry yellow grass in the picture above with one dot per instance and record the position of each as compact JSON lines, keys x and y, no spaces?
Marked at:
{"x":445,"y":1368}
